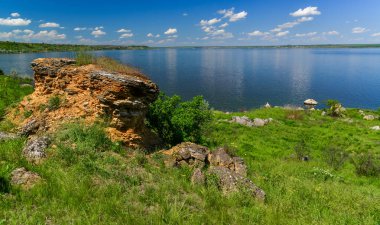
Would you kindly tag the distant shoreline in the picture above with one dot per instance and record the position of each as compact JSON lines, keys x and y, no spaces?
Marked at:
{"x":7,"y":47}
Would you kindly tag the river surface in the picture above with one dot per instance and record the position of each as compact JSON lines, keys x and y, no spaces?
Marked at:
{"x":237,"y":79}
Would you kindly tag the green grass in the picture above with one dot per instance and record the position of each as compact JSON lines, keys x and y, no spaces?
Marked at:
{"x":108,"y":64}
{"x":11,"y":91}
{"x":87,"y":179}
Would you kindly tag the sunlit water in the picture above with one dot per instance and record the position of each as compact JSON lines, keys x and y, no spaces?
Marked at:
{"x":235,"y":79}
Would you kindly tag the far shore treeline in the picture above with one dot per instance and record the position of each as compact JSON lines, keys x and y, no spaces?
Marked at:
{"x":19,"y":47}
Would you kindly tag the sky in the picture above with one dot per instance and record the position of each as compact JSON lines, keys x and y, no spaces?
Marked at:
{"x":191,"y":22}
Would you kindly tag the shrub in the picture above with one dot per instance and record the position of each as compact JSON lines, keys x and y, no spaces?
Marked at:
{"x":27,"y":113}
{"x":54,"y":103}
{"x":336,"y":109}
{"x":175,"y":121}
{"x":366,"y":164}
{"x":4,"y":185}
{"x":77,"y":141}
{"x":335,"y":157}
{"x":294,"y":114}
{"x":302,"y":150}
{"x":1,"y":72}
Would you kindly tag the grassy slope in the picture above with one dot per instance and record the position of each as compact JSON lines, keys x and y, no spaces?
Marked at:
{"x":17,"y":47}
{"x":11,"y":91}
{"x":96,"y":182}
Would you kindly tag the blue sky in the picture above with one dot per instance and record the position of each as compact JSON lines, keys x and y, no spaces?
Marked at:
{"x":191,"y":22}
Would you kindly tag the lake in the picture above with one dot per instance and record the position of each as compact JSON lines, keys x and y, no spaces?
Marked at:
{"x":239,"y":78}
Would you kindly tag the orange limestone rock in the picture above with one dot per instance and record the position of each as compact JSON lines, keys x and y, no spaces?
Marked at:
{"x":65,"y":92}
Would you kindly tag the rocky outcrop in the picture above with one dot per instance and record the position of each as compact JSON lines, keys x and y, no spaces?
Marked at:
{"x":65,"y":92}
{"x":230,"y":171}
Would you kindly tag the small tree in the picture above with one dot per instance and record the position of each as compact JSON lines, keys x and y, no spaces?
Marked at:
{"x":175,"y":121}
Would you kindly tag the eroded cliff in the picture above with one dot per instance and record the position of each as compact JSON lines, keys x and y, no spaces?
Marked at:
{"x":66,"y":92}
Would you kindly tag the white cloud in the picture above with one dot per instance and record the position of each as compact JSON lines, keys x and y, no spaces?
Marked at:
{"x":45,"y":25}
{"x":185,"y":14}
{"x":210,"y":22}
{"x":224,"y":25}
{"x":157,"y":35}
{"x":150,"y":35}
{"x":311,"y":34}
{"x":80,"y":28}
{"x":98,"y":32}
{"x":171,"y":31}
{"x":6,"y":35}
{"x":126,"y":35}
{"x":124,"y":31}
{"x":305,"y":19}
{"x":15,"y":14}
{"x":359,"y":30}
{"x":233,"y":17}
{"x":220,"y":34}
{"x":14,"y":22}
{"x":49,"y":35}
{"x":238,"y":16}
{"x":288,"y":25}
{"x":308,"y":11}
{"x":332,"y":33}
{"x":282,"y":34}
{"x":376,"y":35}
{"x":257,"y":33}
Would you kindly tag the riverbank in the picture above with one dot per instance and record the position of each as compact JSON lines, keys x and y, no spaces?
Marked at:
{"x":7,"y":47}
{"x":314,"y":168}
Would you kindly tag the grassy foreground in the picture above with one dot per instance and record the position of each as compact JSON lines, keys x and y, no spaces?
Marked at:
{"x":87,"y":179}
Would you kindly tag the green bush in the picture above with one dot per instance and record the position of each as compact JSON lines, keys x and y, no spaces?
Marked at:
{"x":175,"y":121}
{"x":366,"y":164}
{"x":302,"y":150}
{"x":1,"y":72}
{"x":336,"y":109}
{"x":335,"y":156}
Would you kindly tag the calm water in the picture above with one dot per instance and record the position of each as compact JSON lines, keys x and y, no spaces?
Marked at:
{"x":234,"y":79}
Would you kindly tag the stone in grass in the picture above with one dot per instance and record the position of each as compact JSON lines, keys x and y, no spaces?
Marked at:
{"x":24,"y":178}
{"x":370,"y":117}
{"x":30,"y":128}
{"x":375,"y":128}
{"x":230,"y":182}
{"x":257,"y":122}
{"x":7,"y":136}
{"x":34,"y":150}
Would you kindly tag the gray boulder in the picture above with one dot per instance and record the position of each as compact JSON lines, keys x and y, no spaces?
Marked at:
{"x":198,"y":177}
{"x":230,"y":181}
{"x":34,"y":150}
{"x":24,"y":178}
{"x":30,"y":127}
